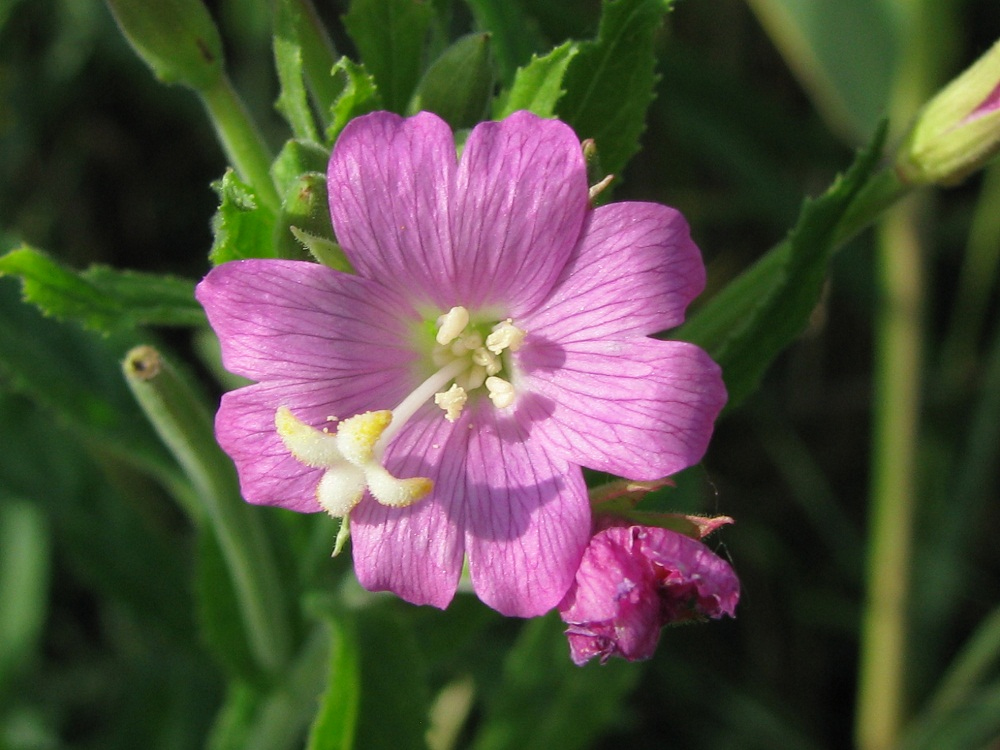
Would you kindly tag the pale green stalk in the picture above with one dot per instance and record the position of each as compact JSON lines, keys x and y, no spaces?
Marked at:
{"x":185,"y":426}
{"x":244,"y":146}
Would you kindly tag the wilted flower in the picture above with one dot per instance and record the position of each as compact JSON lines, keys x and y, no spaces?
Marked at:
{"x":494,"y":340}
{"x":632,"y":581}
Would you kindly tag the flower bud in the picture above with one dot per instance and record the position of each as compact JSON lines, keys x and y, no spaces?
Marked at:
{"x":958,"y":130}
{"x":458,"y":85}
{"x":176,"y":38}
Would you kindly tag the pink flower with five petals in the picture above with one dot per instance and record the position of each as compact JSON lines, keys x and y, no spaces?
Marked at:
{"x":494,"y":339}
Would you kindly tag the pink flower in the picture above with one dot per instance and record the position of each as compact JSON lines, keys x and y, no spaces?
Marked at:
{"x":632,"y":581}
{"x":494,"y":340}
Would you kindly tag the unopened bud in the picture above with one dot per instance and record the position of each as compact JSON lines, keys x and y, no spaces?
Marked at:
{"x":176,"y":38}
{"x":958,"y":130}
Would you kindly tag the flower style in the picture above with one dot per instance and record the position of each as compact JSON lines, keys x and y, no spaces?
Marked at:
{"x":493,"y":340}
{"x":632,"y":581}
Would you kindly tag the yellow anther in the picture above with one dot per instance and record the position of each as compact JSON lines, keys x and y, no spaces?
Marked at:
{"x":501,"y":392}
{"x":451,"y":325}
{"x":452,"y":401}
{"x":505,"y":335}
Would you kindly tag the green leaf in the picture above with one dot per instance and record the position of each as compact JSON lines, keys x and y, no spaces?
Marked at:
{"x":390,"y":36}
{"x":220,"y":618}
{"x":545,"y":702}
{"x":102,"y":298}
{"x":609,"y":84}
{"x":515,"y":36}
{"x":844,"y":53}
{"x":538,"y":86}
{"x":75,"y":375}
{"x":459,"y":84}
{"x":358,"y":96}
{"x":243,"y":226}
{"x":749,"y":323}
{"x":293,"y":101}
{"x":335,"y":724}
{"x":24,"y":582}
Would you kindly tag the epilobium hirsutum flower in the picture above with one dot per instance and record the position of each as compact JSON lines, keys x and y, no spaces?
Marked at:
{"x":494,"y":340}
{"x":632,"y":581}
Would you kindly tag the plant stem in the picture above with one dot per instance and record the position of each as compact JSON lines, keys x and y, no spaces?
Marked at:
{"x":242,"y":142}
{"x":185,"y":426}
{"x":881,"y":694}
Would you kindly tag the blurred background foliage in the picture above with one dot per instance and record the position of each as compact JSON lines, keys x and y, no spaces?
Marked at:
{"x":758,"y":104}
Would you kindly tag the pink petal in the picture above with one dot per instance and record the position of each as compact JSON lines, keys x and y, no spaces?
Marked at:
{"x":303,"y":321}
{"x":527,"y":517}
{"x":518,"y":206}
{"x":635,"y":272}
{"x":417,"y":552}
{"x":639,"y":408}
{"x":388,"y":182}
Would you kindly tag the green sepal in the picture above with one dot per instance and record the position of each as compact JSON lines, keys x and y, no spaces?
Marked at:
{"x":101,"y":298}
{"x":243,"y":226}
{"x":390,"y":36}
{"x":305,"y":209}
{"x":176,"y":38}
{"x":459,"y":84}
{"x":746,"y":325}
{"x":538,"y":86}
{"x":358,"y":96}
{"x":610,"y":83}
{"x":324,"y":251}
{"x":297,"y":156}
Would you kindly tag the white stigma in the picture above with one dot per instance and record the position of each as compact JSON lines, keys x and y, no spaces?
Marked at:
{"x":351,"y":460}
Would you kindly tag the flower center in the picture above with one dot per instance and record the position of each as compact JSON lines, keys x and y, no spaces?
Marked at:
{"x":460,"y":341}
{"x":352,"y":456}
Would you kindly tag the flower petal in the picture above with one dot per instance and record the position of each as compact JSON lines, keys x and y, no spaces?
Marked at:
{"x":416,"y":552}
{"x":635,"y":271}
{"x":388,"y":183}
{"x":639,"y":408}
{"x":518,"y":206}
{"x":527,"y":517}
{"x":303,"y":321}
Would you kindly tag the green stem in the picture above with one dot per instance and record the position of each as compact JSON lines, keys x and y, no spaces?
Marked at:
{"x":881,"y":694}
{"x":242,"y":142}
{"x":185,"y":426}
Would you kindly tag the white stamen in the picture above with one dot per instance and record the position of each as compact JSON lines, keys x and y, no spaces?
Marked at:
{"x":596,"y":190}
{"x":423,"y":393}
{"x":452,"y":401}
{"x":505,"y":335}
{"x":471,"y":340}
{"x":472,"y":378}
{"x":452,"y":323}
{"x":501,"y":392}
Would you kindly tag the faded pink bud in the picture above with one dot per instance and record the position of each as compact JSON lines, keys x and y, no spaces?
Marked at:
{"x":632,"y":581}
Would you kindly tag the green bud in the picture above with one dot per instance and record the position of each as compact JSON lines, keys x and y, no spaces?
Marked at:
{"x":305,"y":224}
{"x":176,"y":38}
{"x":958,"y":130}
{"x":298,"y":156}
{"x":458,"y":86}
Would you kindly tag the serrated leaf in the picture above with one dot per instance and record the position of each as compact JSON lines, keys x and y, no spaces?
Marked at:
{"x":358,"y":96}
{"x":545,"y":702}
{"x":515,"y":36}
{"x":293,"y":100}
{"x":390,"y":35}
{"x":100,"y":298}
{"x":243,"y":226}
{"x":609,"y":84}
{"x":538,"y":86}
{"x":748,"y":324}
